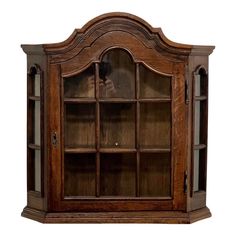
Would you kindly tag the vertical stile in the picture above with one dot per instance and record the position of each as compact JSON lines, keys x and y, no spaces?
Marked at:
{"x":137,"y":133}
{"x":63,"y":119}
{"x":97,"y":131}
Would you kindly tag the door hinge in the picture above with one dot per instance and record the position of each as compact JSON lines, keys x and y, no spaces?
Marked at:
{"x":186,"y":92}
{"x":54,"y":139}
{"x":185,"y":181}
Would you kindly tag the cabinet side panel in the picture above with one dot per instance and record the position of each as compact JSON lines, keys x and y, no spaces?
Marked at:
{"x":37,"y":200}
{"x":197,"y":198}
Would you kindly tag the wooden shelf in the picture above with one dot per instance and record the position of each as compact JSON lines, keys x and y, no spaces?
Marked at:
{"x":115,"y":198}
{"x":34,"y":146}
{"x":79,"y":150}
{"x":34,"y":98}
{"x":199,"y":146}
{"x":155,"y":150}
{"x":79,"y":100}
{"x":160,"y":99}
{"x":117,"y":150}
{"x":200,"y":98}
{"x":117,"y":100}
{"x":113,"y":100}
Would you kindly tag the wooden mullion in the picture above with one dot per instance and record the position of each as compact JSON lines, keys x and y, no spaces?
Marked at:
{"x":79,"y":100}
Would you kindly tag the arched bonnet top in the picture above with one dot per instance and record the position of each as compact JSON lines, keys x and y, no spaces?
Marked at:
{"x":127,"y":23}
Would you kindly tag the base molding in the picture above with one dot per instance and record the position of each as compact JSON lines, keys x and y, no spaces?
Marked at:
{"x":173,"y":217}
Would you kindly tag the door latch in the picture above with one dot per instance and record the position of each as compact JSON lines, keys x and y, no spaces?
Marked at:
{"x":54,"y":139}
{"x":185,"y":181}
{"x":186,"y":92}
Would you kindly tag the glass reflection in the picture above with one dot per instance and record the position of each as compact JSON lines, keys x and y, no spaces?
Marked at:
{"x":81,"y":85}
{"x":117,"y":75}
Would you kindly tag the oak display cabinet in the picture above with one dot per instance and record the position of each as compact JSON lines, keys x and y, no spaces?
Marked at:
{"x":117,"y":126}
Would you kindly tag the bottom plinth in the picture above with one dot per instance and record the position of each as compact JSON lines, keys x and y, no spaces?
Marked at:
{"x":174,"y":217}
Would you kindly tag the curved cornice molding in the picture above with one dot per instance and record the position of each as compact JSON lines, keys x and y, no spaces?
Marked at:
{"x":118,"y":21}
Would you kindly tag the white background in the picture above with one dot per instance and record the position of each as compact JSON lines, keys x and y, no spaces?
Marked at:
{"x":195,"y":22}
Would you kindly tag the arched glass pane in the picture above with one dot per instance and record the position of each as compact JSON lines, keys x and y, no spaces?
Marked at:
{"x":81,"y":85}
{"x":117,"y":75}
{"x":153,"y":85}
{"x":201,"y":83}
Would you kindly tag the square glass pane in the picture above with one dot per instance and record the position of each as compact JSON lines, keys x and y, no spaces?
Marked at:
{"x":200,"y":122}
{"x":34,"y":170}
{"x":197,"y":121}
{"x":37,"y":85}
{"x":37,"y":170}
{"x":155,"y":125}
{"x":155,"y":175}
{"x":153,"y":85}
{"x":199,"y":170}
{"x":117,"y":75}
{"x":79,"y":125}
{"x":196,"y":171}
{"x":36,"y":122}
{"x":79,"y":174}
{"x":118,"y":173}
{"x":81,"y":85}
{"x":117,"y":125}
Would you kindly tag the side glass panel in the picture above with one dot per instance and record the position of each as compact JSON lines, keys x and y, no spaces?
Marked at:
{"x":80,"y":86}
{"x":37,"y":169}
{"x":37,"y":135}
{"x":201,"y":84}
{"x":37,"y":85}
{"x":200,"y":131}
{"x":117,"y":75}
{"x":34,"y":130}
{"x":153,"y":85}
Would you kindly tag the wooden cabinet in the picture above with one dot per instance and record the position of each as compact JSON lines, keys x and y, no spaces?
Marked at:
{"x":117,"y":126}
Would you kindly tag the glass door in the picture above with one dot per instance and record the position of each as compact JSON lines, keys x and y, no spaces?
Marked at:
{"x":117,"y":132}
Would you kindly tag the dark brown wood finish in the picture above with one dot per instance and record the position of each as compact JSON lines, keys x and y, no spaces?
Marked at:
{"x":124,"y":155}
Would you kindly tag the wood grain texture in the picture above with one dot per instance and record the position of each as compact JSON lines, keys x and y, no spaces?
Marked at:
{"x":155,"y":174}
{"x":79,"y":175}
{"x":118,"y":175}
{"x":155,"y":125}
{"x":163,"y":217}
{"x":79,"y":119}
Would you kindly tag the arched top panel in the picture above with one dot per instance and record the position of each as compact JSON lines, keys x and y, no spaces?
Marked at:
{"x":145,"y":43}
{"x":123,"y":22}
{"x":200,"y":81}
{"x":120,"y":22}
